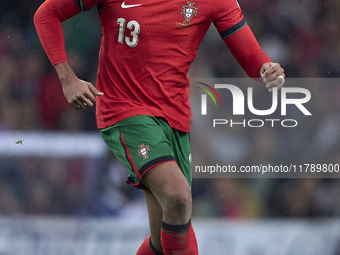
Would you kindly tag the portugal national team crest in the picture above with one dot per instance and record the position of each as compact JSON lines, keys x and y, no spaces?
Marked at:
{"x":188,"y":12}
{"x":143,"y":151}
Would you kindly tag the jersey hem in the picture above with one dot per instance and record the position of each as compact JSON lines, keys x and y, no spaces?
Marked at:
{"x":110,"y":121}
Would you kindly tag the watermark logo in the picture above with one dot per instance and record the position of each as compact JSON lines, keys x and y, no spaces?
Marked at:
{"x":239,"y":104}
{"x":204,"y":97}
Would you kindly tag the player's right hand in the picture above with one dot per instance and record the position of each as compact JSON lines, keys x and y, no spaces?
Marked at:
{"x":80,"y":94}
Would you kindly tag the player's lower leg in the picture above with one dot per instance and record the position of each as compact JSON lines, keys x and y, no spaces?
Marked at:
{"x":147,"y":248}
{"x":155,"y":222}
{"x":179,"y":239}
{"x":172,"y":191}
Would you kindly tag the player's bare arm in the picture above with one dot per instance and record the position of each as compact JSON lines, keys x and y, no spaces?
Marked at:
{"x":273,"y":75}
{"x":80,"y":94}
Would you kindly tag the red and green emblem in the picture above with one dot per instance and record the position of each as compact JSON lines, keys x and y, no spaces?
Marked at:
{"x":188,"y":12}
{"x":143,"y":151}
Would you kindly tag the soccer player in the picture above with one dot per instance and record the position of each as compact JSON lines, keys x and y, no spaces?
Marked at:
{"x":142,"y":94}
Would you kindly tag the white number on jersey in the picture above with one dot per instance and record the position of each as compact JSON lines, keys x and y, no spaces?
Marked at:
{"x":135,"y":29}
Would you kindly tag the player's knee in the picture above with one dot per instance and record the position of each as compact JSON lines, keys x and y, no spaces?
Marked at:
{"x":179,"y":202}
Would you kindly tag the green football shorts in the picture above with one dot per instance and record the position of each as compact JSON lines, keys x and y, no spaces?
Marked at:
{"x":142,"y":142}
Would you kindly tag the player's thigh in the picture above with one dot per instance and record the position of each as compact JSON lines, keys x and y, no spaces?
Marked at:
{"x":167,"y":182}
{"x":180,"y":144}
{"x":140,"y":144}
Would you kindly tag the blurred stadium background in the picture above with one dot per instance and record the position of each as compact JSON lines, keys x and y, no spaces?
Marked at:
{"x":63,"y":192}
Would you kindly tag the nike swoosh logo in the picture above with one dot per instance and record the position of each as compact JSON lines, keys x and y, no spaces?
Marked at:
{"x":124,"y":6}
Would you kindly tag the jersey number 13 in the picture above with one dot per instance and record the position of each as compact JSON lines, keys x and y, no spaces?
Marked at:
{"x":134,"y":27}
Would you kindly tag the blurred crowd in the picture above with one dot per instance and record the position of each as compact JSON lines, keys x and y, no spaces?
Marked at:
{"x":302,"y":35}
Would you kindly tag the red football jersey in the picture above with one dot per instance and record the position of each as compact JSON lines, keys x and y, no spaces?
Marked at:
{"x":146,"y":51}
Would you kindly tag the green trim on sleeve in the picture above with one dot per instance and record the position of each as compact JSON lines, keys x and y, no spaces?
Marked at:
{"x":232,"y":30}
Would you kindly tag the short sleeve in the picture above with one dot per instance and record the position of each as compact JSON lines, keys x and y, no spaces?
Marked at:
{"x":227,"y":17}
{"x":85,"y":5}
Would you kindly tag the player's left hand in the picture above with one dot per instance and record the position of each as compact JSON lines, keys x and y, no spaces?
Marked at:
{"x":273,"y":75}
